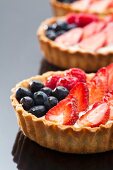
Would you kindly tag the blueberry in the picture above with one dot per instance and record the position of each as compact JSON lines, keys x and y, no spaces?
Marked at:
{"x":60,"y":92}
{"x":23,"y":92}
{"x":71,"y":26}
{"x":46,"y":90}
{"x":38,"y":111}
{"x":56,"y":27}
{"x":51,"y":102}
{"x":40,"y":98}
{"x":62,"y":24}
{"x":27,"y":102}
{"x":51,"y":34}
{"x":60,"y":33}
{"x":35,"y":86}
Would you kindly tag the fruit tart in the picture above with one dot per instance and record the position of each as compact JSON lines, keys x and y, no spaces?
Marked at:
{"x":77,"y":40}
{"x":68,"y":111}
{"x":62,"y":7}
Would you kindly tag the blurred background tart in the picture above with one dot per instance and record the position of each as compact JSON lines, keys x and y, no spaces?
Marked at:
{"x":62,"y":7}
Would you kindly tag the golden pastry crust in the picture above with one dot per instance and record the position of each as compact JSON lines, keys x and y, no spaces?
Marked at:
{"x":60,"y":137}
{"x":67,"y":58}
{"x":61,"y":9}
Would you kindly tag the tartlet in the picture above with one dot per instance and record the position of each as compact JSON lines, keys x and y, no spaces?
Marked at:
{"x":66,"y":137}
{"x":61,"y":8}
{"x":75,"y":56}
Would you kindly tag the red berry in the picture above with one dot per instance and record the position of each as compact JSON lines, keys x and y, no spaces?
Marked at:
{"x":52,"y":81}
{"x":110,"y":76}
{"x":81,"y":93}
{"x":98,"y":86}
{"x":96,"y":116}
{"x":78,"y":73}
{"x":84,"y":19}
{"x":71,"y":18}
{"x":68,"y":82}
{"x":65,"y":112}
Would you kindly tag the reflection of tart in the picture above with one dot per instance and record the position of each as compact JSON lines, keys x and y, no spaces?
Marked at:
{"x":81,"y":121}
{"x":28,"y":155}
{"x":77,"y":40}
{"x":62,"y":7}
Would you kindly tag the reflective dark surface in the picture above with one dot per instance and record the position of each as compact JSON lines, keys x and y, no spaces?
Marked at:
{"x":20,"y":58}
{"x":30,"y":156}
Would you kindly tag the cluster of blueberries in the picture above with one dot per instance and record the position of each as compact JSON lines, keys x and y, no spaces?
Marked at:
{"x":67,"y":1}
{"x":58,"y":28}
{"x":38,"y":99}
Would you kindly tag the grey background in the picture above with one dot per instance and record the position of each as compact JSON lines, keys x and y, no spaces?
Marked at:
{"x":19,"y":59}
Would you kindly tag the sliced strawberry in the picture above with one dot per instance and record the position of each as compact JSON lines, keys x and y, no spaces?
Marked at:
{"x":94,"y":42}
{"x":81,"y":93}
{"x":100,"y":6}
{"x":68,"y":82}
{"x":76,"y":72}
{"x":98,"y":86}
{"x":108,"y":18}
{"x":108,"y":30}
{"x":110,"y":77}
{"x":108,"y":98}
{"x":65,"y":112}
{"x":71,"y":37}
{"x":96,"y":116}
{"x":52,"y":81}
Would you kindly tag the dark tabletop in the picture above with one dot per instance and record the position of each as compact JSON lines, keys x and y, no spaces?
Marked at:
{"x":20,"y":59}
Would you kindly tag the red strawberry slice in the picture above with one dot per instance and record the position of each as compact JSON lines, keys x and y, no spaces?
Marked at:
{"x":71,"y":37}
{"x":76,"y":72}
{"x":96,"y":116}
{"x":110,"y":77}
{"x":81,"y":93}
{"x":100,"y":6}
{"x":98,"y":86}
{"x":108,"y":30}
{"x":93,"y":28}
{"x":68,"y":82}
{"x":52,"y":81}
{"x":94,"y":42}
{"x":65,"y":112}
{"x":108,"y":98}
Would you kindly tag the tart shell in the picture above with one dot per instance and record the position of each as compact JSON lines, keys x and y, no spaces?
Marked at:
{"x":60,"y":137}
{"x":61,"y":9}
{"x":67,"y":58}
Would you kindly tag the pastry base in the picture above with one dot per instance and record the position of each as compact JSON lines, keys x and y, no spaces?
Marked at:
{"x":60,"y":137}
{"x":67,"y":58}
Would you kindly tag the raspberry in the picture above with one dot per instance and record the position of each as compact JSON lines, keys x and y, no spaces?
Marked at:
{"x":52,"y":81}
{"x":68,"y":82}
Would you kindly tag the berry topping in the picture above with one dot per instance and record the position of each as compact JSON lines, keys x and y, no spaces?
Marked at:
{"x":40,"y":98}
{"x":110,"y":77}
{"x":46,"y":90}
{"x":68,"y":82}
{"x":60,"y":92}
{"x":51,"y":34}
{"x":23,"y":92}
{"x":35,"y":86}
{"x":66,"y":1}
{"x":27,"y":102}
{"x":52,"y":81}
{"x":65,"y":112}
{"x":98,"y":86}
{"x":82,"y":19}
{"x":38,"y":111}
{"x":51,"y":102}
{"x":98,"y":115}
{"x":81,"y":93}
{"x":76,"y":72}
